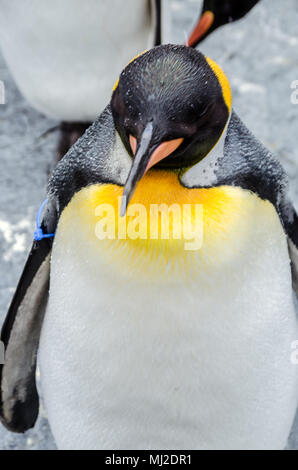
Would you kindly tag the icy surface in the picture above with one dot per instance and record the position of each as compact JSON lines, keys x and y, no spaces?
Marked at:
{"x":259,"y":54}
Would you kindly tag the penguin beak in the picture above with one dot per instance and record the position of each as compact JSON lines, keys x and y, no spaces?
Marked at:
{"x":201,"y":29}
{"x":146,"y":155}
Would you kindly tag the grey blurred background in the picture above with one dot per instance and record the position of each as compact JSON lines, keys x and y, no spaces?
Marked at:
{"x":259,"y":55}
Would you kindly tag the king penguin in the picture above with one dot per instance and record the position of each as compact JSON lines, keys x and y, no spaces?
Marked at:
{"x":216,"y":13}
{"x":60,"y":53}
{"x":146,"y":343}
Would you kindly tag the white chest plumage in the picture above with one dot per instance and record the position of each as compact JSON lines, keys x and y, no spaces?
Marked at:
{"x":66,"y":55}
{"x":129,"y":362}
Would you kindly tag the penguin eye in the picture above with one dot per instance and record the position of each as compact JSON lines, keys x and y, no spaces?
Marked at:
{"x":205,"y":110}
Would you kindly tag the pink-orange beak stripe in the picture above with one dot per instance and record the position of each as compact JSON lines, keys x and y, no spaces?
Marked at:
{"x":162,"y":151}
{"x":133,"y":143}
{"x":201,"y":28}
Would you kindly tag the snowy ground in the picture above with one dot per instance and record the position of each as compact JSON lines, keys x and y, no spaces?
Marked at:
{"x":260,"y":56}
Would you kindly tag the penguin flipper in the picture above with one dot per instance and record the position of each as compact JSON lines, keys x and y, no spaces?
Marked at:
{"x":20,"y":334}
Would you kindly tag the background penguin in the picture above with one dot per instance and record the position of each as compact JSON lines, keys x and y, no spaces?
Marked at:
{"x":64,"y":55}
{"x":159,"y":347}
{"x":216,"y":13}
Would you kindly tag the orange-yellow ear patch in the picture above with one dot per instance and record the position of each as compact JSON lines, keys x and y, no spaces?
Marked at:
{"x":224,"y":82}
{"x":116,"y":84}
{"x":131,"y":60}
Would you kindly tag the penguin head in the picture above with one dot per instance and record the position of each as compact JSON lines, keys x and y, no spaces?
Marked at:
{"x":216,"y":13}
{"x":170,"y":107}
